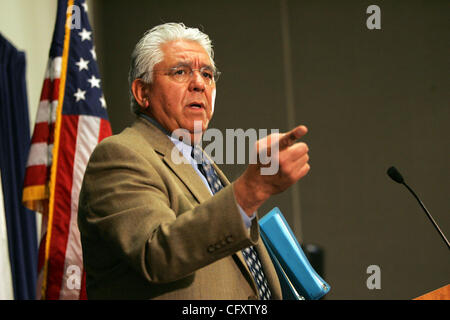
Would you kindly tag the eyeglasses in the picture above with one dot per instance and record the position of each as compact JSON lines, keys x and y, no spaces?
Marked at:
{"x":185,"y":73}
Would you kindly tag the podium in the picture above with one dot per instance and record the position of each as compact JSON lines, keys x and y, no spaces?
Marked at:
{"x":438,"y":294}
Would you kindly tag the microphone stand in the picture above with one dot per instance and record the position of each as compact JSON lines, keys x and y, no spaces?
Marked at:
{"x":428,"y":214}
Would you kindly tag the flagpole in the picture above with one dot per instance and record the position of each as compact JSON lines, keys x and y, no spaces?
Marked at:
{"x":59,"y":107}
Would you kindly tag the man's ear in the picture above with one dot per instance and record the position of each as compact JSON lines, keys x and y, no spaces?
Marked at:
{"x":141,"y":92}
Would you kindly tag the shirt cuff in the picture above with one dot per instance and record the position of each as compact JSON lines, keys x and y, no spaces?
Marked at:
{"x":246,"y":218}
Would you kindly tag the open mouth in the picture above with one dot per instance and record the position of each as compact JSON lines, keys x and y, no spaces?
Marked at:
{"x":195,"y":105}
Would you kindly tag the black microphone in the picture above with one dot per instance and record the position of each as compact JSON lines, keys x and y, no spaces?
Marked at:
{"x":397,"y":177}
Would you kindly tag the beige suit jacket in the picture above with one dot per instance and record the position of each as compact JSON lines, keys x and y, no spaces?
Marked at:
{"x":150,"y":228}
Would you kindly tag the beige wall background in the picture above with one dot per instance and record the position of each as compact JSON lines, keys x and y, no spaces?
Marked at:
{"x":28,"y":25}
{"x":371,"y":99}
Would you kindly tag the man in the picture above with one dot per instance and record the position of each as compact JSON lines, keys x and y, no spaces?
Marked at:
{"x":152,"y":228}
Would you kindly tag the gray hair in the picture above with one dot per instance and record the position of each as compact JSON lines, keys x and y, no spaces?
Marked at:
{"x":148,"y":51}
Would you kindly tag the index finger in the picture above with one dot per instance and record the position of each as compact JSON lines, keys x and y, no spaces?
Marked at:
{"x":290,"y":137}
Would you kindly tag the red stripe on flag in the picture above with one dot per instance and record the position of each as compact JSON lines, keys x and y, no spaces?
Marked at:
{"x":46,"y":89}
{"x":44,"y":132}
{"x":55,"y":90}
{"x":41,"y":132}
{"x":62,"y":205}
{"x":36,"y":175}
{"x":50,"y":89}
{"x":105,"y":130}
{"x":83,"y":294}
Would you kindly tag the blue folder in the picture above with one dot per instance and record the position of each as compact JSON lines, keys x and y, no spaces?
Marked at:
{"x":298,"y":279}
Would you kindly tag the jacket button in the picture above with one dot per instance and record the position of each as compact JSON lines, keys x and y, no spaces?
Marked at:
{"x":211,"y":249}
{"x":229,"y":239}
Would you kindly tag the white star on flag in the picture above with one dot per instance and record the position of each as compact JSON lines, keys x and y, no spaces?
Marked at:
{"x":79,"y":95}
{"x":95,"y":82}
{"x":82,"y":64}
{"x":85,"y":35}
{"x":103,"y":101}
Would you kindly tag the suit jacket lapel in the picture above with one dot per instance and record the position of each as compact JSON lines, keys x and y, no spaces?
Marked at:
{"x":163,"y":146}
{"x":190,"y":178}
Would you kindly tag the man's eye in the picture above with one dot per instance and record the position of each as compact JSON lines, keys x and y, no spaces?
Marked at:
{"x":207,"y":74}
{"x":179,"y":72}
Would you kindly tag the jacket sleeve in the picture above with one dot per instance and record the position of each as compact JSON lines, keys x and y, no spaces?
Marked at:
{"x":132,"y":209}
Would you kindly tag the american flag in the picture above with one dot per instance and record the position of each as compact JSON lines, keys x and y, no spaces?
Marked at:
{"x":71,"y":120}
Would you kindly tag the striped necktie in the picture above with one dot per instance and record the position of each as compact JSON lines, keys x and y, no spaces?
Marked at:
{"x":250,"y":254}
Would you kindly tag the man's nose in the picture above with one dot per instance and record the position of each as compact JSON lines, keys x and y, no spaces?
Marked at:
{"x":197,"y":82}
